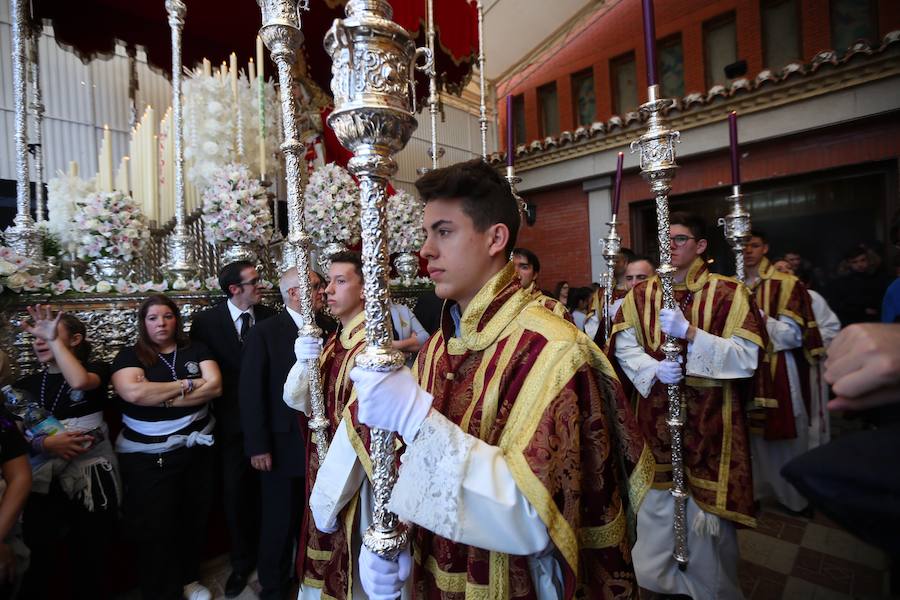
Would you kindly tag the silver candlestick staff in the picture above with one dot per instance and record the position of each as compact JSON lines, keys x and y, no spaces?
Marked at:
{"x":737,"y":229}
{"x":372,"y":82}
{"x":482,"y":108}
{"x":612,"y":245}
{"x":23,"y":236}
{"x":37,"y":109}
{"x":282,"y":36}
{"x":432,"y":87}
{"x":657,"y":154}
{"x":182,"y":261}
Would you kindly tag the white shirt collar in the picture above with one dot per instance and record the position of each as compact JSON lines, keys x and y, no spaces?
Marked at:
{"x":236,"y":312}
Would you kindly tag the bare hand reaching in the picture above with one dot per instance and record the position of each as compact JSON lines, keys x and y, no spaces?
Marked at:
{"x":863,"y":366}
{"x":45,"y":325}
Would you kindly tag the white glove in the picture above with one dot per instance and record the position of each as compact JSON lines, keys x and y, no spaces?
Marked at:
{"x":391,"y":401}
{"x":296,"y":386}
{"x":307,"y":347}
{"x":669,"y":371}
{"x":383,"y":579}
{"x":672,"y":322}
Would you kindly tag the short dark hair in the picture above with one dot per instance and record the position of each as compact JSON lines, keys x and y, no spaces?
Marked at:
{"x":231,"y":274}
{"x":348,"y":256}
{"x":530,"y":256}
{"x":578,"y":295}
{"x":641,"y":257}
{"x":628,"y":253}
{"x":486,"y":196}
{"x":759,"y":233}
{"x":691,"y":221}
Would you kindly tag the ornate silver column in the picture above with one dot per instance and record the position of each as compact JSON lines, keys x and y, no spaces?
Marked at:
{"x":180,"y":244}
{"x":23,"y":236}
{"x":37,"y":109}
{"x":482,"y":120}
{"x":657,"y":154}
{"x":373,"y":60}
{"x":432,"y":87}
{"x":281,"y":33}
{"x":737,"y":229}
{"x":612,"y":244}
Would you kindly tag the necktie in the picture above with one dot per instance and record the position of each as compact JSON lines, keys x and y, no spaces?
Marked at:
{"x":245,"y":326}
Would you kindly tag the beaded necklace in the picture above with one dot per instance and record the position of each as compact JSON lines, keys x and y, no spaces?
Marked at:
{"x":172,"y":364}
{"x":59,"y":392}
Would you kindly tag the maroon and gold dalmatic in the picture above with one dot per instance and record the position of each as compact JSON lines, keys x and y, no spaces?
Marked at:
{"x":325,"y":562}
{"x":716,"y":443}
{"x":598,"y":298}
{"x":522,"y":379}
{"x":779,"y":294}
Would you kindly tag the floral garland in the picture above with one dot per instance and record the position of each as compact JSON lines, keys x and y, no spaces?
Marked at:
{"x":63,"y":193}
{"x":404,"y":222}
{"x":332,"y":206}
{"x":109,"y":225}
{"x":235,"y":207}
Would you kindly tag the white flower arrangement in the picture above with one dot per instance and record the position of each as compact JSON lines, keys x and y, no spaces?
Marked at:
{"x":210,"y":117}
{"x":235,"y":207}
{"x":404,"y":222}
{"x":109,"y":225}
{"x":332,"y":206}
{"x":14,"y":273}
{"x":63,"y":193}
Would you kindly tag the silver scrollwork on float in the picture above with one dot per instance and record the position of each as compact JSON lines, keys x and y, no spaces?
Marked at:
{"x":37,"y":109}
{"x":281,"y":33}
{"x":737,"y":229}
{"x":482,"y":105}
{"x":373,"y":60}
{"x":181,"y":244}
{"x":657,"y":157}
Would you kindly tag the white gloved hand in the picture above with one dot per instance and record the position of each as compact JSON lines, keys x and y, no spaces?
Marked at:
{"x":669,"y":371}
{"x":672,"y":322}
{"x":391,"y":401}
{"x":383,"y":579}
{"x":307,"y":347}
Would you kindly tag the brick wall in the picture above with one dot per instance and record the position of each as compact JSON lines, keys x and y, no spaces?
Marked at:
{"x":616,"y":30}
{"x":560,"y":236}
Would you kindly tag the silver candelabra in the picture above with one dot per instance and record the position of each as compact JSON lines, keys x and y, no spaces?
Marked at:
{"x":736,"y":226}
{"x":657,"y":155}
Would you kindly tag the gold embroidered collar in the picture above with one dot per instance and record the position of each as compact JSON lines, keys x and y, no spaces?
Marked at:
{"x":353,"y":332}
{"x":474,"y":339}
{"x":696,"y":277}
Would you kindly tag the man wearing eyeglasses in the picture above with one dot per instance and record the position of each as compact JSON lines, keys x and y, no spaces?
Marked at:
{"x":721,"y":334}
{"x":223,"y":329}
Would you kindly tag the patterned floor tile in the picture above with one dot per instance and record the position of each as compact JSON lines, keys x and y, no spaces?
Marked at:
{"x":765,"y":551}
{"x":838,"y":574}
{"x":839,"y":543}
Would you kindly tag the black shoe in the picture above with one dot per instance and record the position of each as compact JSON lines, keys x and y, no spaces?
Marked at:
{"x":236,"y":583}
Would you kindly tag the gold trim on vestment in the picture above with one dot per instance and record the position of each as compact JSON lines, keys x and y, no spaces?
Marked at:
{"x":349,"y":337}
{"x":492,"y":394}
{"x":641,"y":478}
{"x":725,"y":460}
{"x":498,"y":576}
{"x":477,"y":387}
{"x":316,"y":554}
{"x":605,"y":536}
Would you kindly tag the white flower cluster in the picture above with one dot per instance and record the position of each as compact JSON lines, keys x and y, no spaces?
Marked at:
{"x":235,"y":207}
{"x":332,"y":207}
{"x":404,"y":222}
{"x":64,"y":191}
{"x":109,"y":225}
{"x":210,"y":121}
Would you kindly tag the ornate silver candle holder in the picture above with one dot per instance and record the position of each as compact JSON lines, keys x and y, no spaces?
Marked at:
{"x":373,"y":62}
{"x":282,"y":36}
{"x":737,"y":226}
{"x":612,"y":245}
{"x":657,"y":154}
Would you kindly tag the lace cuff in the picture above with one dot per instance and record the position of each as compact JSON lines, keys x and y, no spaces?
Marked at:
{"x":429,"y":488}
{"x":704,"y":358}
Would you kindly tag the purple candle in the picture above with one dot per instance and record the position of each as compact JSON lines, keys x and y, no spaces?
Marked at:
{"x":650,"y":42}
{"x":618,"y":190}
{"x":510,"y":132}
{"x":735,"y":157}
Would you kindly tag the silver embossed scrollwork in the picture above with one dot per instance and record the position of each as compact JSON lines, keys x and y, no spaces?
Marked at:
{"x":182,"y":261}
{"x":281,"y":33}
{"x":612,"y":244}
{"x":737,"y":226}
{"x":37,"y":109}
{"x":657,"y":158}
{"x":482,"y":104}
{"x":373,"y":60}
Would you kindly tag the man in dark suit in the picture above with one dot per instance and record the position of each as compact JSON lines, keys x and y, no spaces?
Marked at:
{"x":274,"y":435}
{"x":223,"y":328}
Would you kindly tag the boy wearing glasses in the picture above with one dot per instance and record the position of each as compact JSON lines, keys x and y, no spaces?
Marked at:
{"x":223,"y":329}
{"x":721,"y":335}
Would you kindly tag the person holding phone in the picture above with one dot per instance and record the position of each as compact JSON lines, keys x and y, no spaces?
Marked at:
{"x":76,"y":490}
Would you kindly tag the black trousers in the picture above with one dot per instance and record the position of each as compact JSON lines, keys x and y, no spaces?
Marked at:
{"x":240,"y":497}
{"x":282,"y":508}
{"x":51,"y":519}
{"x":166,"y":508}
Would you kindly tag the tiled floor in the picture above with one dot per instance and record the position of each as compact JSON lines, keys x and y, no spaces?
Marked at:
{"x":785,"y":558}
{"x":792,"y":558}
